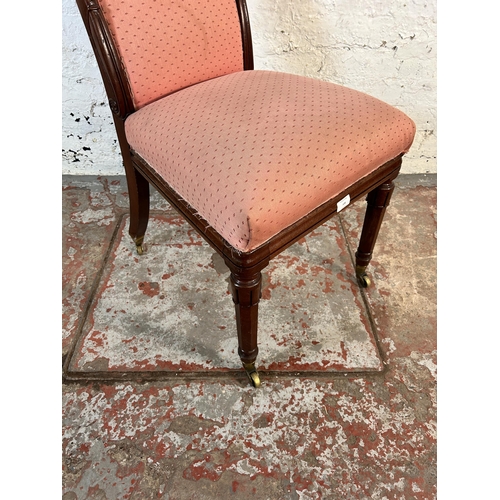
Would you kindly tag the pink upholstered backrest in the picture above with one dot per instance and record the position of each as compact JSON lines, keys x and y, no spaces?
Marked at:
{"x":167,"y":45}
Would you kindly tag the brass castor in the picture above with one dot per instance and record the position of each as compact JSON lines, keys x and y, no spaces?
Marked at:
{"x":253,"y":374}
{"x":363,"y":279}
{"x":138,"y":245}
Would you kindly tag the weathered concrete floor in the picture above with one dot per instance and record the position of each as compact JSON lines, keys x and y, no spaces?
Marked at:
{"x":368,"y":435}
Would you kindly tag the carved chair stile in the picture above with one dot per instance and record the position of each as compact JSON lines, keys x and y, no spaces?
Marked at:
{"x":164,"y":103}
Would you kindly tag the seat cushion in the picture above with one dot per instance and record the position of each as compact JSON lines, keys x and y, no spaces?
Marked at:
{"x":254,"y":151}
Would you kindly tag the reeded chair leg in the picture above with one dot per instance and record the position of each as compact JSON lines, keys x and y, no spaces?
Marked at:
{"x":138,"y":189}
{"x":377,"y":202}
{"x":246,"y":290}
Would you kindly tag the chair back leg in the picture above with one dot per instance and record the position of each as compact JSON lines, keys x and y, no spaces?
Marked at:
{"x":138,"y":191}
{"x":377,"y":202}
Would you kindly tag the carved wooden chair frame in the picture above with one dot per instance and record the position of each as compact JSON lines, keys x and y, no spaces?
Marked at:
{"x":245,"y":268}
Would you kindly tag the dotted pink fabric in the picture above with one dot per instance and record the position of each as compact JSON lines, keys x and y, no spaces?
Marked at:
{"x":255,"y":151}
{"x":168,"y":45}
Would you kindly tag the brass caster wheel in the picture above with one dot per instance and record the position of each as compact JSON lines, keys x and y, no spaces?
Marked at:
{"x":253,"y":374}
{"x":364,"y":281}
{"x":255,"y":379}
{"x":138,"y":245}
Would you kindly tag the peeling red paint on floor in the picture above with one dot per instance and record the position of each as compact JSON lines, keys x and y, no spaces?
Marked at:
{"x":357,"y":437}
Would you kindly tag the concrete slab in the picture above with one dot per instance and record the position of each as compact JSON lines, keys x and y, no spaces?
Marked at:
{"x":92,"y":208}
{"x":170,"y":310}
{"x":294,"y":439}
{"x":403,"y":297}
{"x":89,"y":220}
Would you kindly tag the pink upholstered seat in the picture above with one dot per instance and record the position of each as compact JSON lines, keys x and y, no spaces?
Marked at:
{"x":254,"y":151}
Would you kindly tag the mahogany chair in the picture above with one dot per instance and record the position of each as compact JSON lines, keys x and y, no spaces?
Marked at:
{"x":254,"y":160}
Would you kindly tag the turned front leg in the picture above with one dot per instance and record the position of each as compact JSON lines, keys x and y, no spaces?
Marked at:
{"x":377,"y":202}
{"x":246,"y":291}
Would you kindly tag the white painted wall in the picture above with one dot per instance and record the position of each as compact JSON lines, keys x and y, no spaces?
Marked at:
{"x":386,"y":48}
